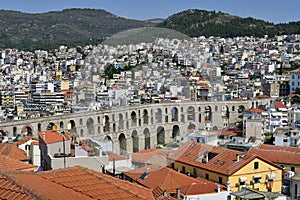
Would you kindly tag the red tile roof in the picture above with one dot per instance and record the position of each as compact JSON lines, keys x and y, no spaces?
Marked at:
{"x":204,"y":187}
{"x":224,"y":160}
{"x":169,"y":180}
{"x":279,"y":148}
{"x":255,"y":110}
{"x":293,"y":95}
{"x":13,"y":152}
{"x":10,"y":191}
{"x":112,"y":156}
{"x":52,"y":136}
{"x":296,"y":70}
{"x":262,"y":97}
{"x":226,"y":133}
{"x":25,"y":139}
{"x":152,"y":156}
{"x":96,"y":185}
{"x":7,"y":163}
{"x":278,"y":157}
{"x":279,"y":104}
{"x":77,"y":183}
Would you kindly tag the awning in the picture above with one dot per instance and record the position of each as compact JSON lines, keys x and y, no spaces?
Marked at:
{"x":243,"y":179}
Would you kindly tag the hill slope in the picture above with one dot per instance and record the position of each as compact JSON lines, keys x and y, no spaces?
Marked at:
{"x":209,"y":23}
{"x":144,"y":34}
{"x":68,"y":27}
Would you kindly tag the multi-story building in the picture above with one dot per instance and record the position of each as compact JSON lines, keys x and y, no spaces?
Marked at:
{"x":254,"y":123}
{"x":278,"y":116}
{"x":227,"y":167}
{"x":294,"y":80}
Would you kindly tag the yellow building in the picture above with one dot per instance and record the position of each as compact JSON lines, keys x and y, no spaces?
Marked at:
{"x":225,"y":166}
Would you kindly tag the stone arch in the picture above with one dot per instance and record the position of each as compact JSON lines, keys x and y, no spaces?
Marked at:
{"x":114,"y":127}
{"x":99,"y":129}
{"x":90,"y":126}
{"x":146,"y":116}
{"x":208,"y":113}
{"x":147,"y":138}
{"x":27,"y":130}
{"x":133,"y":118}
{"x":174,"y":112}
{"x":80,"y":121}
{"x":122,"y":144}
{"x":61,"y":125}
{"x":216,"y":108}
{"x":121,"y":121}
{"x":252,"y":105}
{"x":225,"y":116}
{"x":71,"y":126}
{"x":106,"y":127}
{"x":135,"y":141}
{"x":191,"y":113}
{"x":175,"y":131}
{"x":15,"y":131}
{"x":199,"y":109}
{"x":233,"y":108}
{"x":81,"y":133}
{"x":99,"y":120}
{"x":158,"y":115}
{"x":256,"y":104}
{"x":160,"y":135}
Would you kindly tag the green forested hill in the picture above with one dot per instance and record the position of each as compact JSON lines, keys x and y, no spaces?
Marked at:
{"x":210,"y":23}
{"x":68,"y":27}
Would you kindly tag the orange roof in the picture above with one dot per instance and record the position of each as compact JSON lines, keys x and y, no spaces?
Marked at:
{"x":277,"y":156}
{"x":279,"y":148}
{"x":203,"y":187}
{"x":112,"y":156}
{"x":52,"y":136}
{"x":296,"y":70}
{"x":279,"y":104}
{"x":76,"y":183}
{"x":96,"y":185}
{"x":25,"y":139}
{"x":7,"y":163}
{"x":255,"y":110}
{"x":293,"y":95}
{"x":262,"y":97}
{"x":226,"y":133}
{"x":8,"y":190}
{"x":13,"y":152}
{"x":223,"y":160}
{"x":169,"y":180}
{"x":152,"y":156}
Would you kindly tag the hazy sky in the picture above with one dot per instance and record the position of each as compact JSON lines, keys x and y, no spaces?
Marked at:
{"x":270,"y":10}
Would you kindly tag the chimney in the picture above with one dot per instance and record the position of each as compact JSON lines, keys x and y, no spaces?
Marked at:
{"x":44,"y":136}
{"x":237,"y":157}
{"x":178,"y":193}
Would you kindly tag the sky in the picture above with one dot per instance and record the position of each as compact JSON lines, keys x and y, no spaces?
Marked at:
{"x":276,"y":11}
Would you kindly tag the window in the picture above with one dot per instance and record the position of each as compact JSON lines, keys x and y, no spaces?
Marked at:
{"x":256,"y":179}
{"x":207,"y":176}
{"x":183,"y":169}
{"x":256,"y":165}
{"x":220,"y":180}
{"x":195,"y":172}
{"x":285,"y":140}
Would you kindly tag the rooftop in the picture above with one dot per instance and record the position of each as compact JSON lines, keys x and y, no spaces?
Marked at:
{"x":10,"y":150}
{"x":50,"y":136}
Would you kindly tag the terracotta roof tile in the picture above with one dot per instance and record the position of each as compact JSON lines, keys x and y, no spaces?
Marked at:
{"x":279,"y":104}
{"x":221,"y":132}
{"x":223,"y":161}
{"x":13,"y":152}
{"x":277,"y":156}
{"x":263,"y":97}
{"x":115,"y":156}
{"x":25,"y":139}
{"x":169,"y":180}
{"x":96,"y":185}
{"x":10,"y":191}
{"x":52,"y":136}
{"x":295,"y":70}
{"x":7,"y":163}
{"x":255,"y":110}
{"x":279,"y":148}
{"x":152,"y":156}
